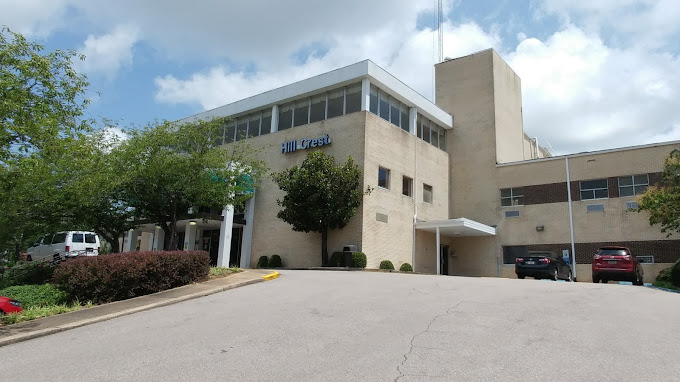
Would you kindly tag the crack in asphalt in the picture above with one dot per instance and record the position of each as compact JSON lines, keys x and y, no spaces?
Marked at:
{"x":448,"y":311}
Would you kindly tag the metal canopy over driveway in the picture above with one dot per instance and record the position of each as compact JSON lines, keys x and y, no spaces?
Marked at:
{"x":455,"y":228}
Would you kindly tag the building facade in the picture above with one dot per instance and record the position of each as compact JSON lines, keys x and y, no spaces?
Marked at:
{"x":458,"y":187}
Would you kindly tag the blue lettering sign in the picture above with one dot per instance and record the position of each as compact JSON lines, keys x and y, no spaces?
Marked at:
{"x":290,"y":146}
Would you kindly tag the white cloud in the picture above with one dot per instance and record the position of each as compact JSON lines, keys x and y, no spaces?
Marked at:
{"x":33,"y":18}
{"x":108,"y":53}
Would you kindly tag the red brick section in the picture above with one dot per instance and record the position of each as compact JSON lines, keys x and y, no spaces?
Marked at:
{"x":557,"y":192}
{"x":545,"y":193}
{"x":664,"y":251}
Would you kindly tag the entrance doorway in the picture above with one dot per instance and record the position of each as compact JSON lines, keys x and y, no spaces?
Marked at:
{"x":444,"y":260}
{"x":211,"y":244}
{"x":236,"y":240}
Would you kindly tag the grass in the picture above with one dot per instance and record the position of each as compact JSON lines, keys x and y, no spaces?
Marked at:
{"x":666,"y":284}
{"x":217,"y":272}
{"x":34,"y":312}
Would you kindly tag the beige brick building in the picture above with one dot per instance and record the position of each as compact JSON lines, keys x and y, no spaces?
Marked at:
{"x":459,"y":188}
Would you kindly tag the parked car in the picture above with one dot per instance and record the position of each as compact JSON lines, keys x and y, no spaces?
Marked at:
{"x":9,"y":305}
{"x":62,"y":245}
{"x":616,"y":263}
{"x":542,"y":265}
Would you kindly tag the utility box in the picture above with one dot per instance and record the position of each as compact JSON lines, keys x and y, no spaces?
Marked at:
{"x":347,"y":254}
{"x":350,"y":248}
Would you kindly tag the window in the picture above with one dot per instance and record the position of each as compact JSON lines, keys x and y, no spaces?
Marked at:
{"x":335,"y":103}
{"x":442,"y":139}
{"x":219,"y":137}
{"x":285,"y":117}
{"x":384,"y":108}
{"x":77,"y":238}
{"x":511,"y":214}
{"x":90,"y":238}
{"x":301,"y":116}
{"x":633,"y":185}
{"x":631,"y":205}
{"x":407,"y":186}
{"x":594,"y":189}
{"x":510,"y":253}
{"x":646,"y":259}
{"x":427,"y":193}
{"x":353,"y":99}
{"x":373,"y":107}
{"x":254,"y":125}
{"x":59,"y":238}
{"x":318,"y":108}
{"x":595,"y":208}
{"x":394,"y":111}
{"x":405,"y":122}
{"x":383,"y":177}
{"x":241,"y":129}
{"x":266,"y":125}
{"x":230,"y":132}
{"x":512,"y":196}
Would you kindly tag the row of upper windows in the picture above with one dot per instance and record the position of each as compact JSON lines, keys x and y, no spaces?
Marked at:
{"x":589,"y":189}
{"x":406,"y":185}
{"x":332,"y":104}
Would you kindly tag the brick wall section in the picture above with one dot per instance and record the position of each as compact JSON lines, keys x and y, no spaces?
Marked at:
{"x":545,"y":193}
{"x":664,"y":251}
{"x":613,"y":186}
{"x":575,"y":191}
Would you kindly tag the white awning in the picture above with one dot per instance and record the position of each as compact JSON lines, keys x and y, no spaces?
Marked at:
{"x":457,"y":227}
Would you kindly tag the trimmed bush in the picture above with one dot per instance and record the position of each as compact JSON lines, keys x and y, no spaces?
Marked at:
{"x":358,"y":260}
{"x":675,"y":274}
{"x":117,"y":277}
{"x":406,"y":267}
{"x":275,"y":262}
{"x":664,"y":275}
{"x":32,"y":296}
{"x":263,"y":262}
{"x":336,"y":260}
{"x":31,"y":273}
{"x":386,"y":264}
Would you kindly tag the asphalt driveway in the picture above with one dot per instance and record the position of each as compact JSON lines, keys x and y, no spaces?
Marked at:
{"x":367,"y":326}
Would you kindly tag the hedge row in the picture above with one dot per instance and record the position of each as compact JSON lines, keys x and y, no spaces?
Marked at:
{"x":32,"y":296}
{"x":121,"y":276}
{"x":32,"y":273}
{"x":358,"y":260}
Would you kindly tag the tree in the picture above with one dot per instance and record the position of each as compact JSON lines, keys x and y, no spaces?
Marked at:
{"x":166,"y":168}
{"x":320,"y":195}
{"x":41,"y":96}
{"x":663,"y":200}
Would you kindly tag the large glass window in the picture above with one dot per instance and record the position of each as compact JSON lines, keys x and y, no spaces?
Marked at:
{"x":512,"y":196}
{"x":427,"y":193}
{"x":241,"y":128}
{"x":266,"y":125}
{"x":353,"y":99}
{"x":373,"y":107}
{"x":442,"y":139}
{"x":594,"y":189}
{"x":219,"y":137}
{"x":285,"y":117}
{"x":633,"y":185}
{"x":384,"y":106}
{"x":230,"y":132}
{"x":254,"y":125}
{"x":426,"y":131}
{"x":77,"y":238}
{"x":335,"y":103}
{"x":394,"y":111}
{"x":405,"y":121}
{"x":301,"y":116}
{"x":318,"y":108}
{"x":383,"y":177}
{"x":434,"y":136}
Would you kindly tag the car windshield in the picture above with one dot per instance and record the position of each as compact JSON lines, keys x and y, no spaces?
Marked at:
{"x":612,"y":252}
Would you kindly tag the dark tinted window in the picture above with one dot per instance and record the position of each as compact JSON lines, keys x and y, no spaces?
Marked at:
{"x":336,"y":101}
{"x":285,"y":117}
{"x":59,"y":238}
{"x":241,"y":129}
{"x":353,"y":99}
{"x":301,"y":113}
{"x":612,"y":252}
{"x":77,"y":238}
{"x":90,"y":238}
{"x":318,"y":109}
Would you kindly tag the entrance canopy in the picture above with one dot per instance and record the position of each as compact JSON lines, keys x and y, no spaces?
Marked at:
{"x":457,"y":227}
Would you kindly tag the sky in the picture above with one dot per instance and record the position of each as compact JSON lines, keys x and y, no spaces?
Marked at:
{"x":595,"y":74}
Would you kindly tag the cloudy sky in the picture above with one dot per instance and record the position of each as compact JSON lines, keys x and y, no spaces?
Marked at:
{"x":596,"y":74}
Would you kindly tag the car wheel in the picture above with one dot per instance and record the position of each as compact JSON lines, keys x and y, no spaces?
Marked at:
{"x":638,"y":280}
{"x":29,"y":258}
{"x":604,"y":281}
{"x":596,"y":279}
{"x":521,"y":276}
{"x":570,"y":279}
{"x":555,"y":275}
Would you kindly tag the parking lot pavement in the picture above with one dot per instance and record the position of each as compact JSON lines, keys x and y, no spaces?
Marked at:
{"x":366,"y":326}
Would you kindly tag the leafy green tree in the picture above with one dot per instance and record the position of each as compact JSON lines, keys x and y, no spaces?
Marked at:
{"x":663,"y":201}
{"x":41,"y":96}
{"x":320,"y":195}
{"x":170,"y":167}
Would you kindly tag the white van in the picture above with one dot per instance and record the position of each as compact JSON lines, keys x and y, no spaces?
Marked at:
{"x":61,"y":245}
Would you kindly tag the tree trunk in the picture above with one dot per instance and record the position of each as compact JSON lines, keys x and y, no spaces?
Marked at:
{"x":324,"y":247}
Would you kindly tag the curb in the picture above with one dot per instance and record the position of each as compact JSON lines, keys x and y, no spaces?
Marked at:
{"x":45,"y":332}
{"x":663,"y":289}
{"x":271,"y":276}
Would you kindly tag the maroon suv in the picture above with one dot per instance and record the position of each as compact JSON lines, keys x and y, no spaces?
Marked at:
{"x":616,"y":263}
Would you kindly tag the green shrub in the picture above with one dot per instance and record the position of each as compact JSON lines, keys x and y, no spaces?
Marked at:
{"x":31,"y":273}
{"x":336,"y":260}
{"x":36,"y":295}
{"x":263,"y":262}
{"x":386,"y":264}
{"x":675,"y":274}
{"x":358,"y":260}
{"x":121,"y":276}
{"x":664,"y":275}
{"x":406,"y":267}
{"x":275,"y":262}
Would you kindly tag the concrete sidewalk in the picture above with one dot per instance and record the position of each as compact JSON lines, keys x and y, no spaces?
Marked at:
{"x":24,"y":331}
